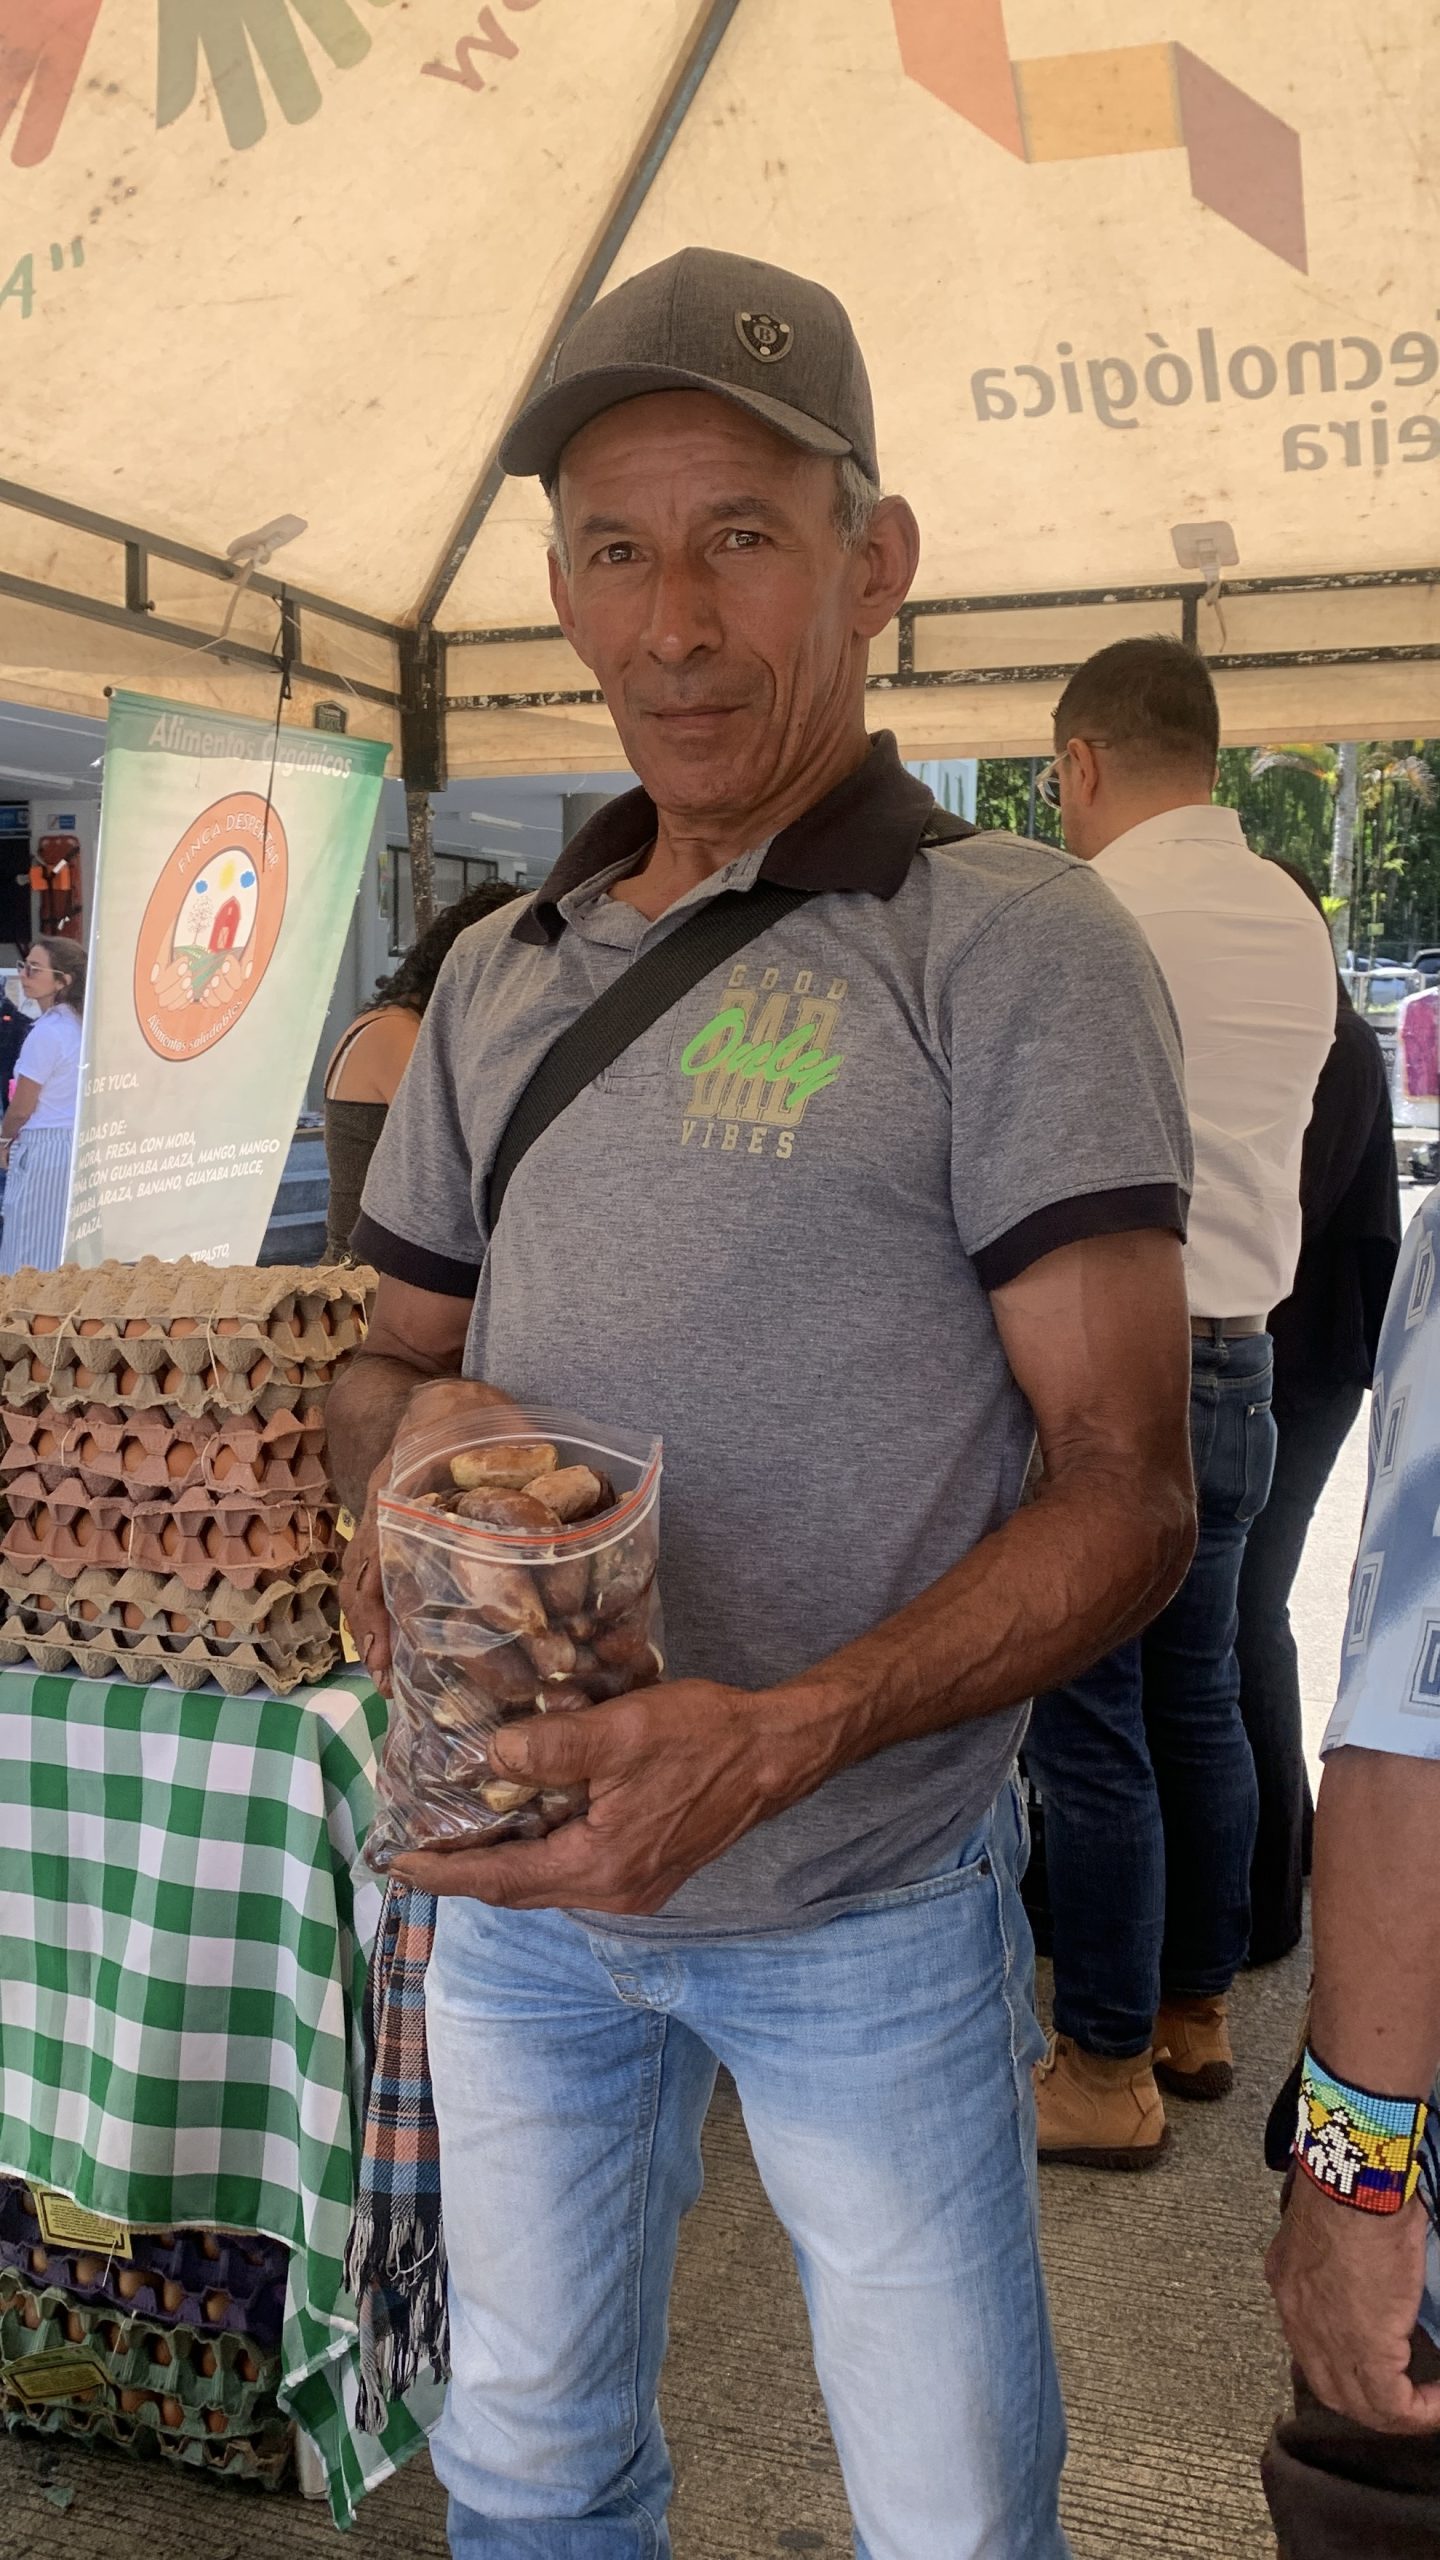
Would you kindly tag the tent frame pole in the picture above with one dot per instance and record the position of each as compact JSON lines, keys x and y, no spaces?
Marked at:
{"x":670,"y":116}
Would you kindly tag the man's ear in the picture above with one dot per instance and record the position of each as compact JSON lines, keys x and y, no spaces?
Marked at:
{"x":891,"y":554}
{"x":1084,"y":767}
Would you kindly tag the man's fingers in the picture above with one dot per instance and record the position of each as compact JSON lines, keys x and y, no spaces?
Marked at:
{"x":558,"y":1751}
{"x":528,"y":1876}
{"x":1423,"y":2414}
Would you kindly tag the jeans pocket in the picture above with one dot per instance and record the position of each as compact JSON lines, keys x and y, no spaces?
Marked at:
{"x":1261,"y":1442}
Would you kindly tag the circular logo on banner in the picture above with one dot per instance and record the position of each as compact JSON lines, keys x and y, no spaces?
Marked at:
{"x":211,"y":926}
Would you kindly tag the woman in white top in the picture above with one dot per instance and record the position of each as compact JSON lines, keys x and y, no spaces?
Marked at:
{"x":38,"y":1130}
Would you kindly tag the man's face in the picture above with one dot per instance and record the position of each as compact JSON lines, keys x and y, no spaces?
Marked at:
{"x":709,"y":591}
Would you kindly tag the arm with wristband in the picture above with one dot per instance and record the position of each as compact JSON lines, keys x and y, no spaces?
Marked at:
{"x":1348,"y":2265}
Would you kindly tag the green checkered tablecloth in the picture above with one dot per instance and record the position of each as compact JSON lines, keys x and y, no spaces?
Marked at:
{"x":184,"y":1920}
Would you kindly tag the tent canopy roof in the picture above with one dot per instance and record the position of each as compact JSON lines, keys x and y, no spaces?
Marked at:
{"x":1118,"y":266}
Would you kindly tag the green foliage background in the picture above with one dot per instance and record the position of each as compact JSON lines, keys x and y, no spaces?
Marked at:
{"x":1286,"y":809}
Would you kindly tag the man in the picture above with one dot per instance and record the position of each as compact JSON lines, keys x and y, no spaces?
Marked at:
{"x":1142,"y":1764}
{"x":1357,"y":2470}
{"x":839,"y":1224}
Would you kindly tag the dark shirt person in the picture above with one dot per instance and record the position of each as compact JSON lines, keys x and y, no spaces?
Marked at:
{"x":365,"y":1069}
{"x":1325,"y":1337}
{"x":846,"y":1226}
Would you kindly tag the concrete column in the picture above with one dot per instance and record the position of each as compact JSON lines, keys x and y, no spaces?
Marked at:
{"x":577,"y":807}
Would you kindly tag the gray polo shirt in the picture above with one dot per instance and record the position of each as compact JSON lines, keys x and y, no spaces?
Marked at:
{"x":769,"y":1230}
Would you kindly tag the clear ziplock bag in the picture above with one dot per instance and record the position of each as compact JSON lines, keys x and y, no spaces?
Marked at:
{"x":519,"y":1563}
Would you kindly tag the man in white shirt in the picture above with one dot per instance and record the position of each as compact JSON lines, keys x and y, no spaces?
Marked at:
{"x":1143,"y":1767}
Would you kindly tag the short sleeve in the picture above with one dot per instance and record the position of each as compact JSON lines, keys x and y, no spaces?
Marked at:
{"x":42,"y":1048}
{"x":1389,"y":1696}
{"x":1068,"y":1102}
{"x":417,"y":1219}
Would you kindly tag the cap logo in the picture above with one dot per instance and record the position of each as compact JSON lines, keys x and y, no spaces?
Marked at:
{"x":768,"y":341}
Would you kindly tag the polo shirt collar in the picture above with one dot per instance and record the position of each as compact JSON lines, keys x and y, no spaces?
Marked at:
{"x":862,"y":836}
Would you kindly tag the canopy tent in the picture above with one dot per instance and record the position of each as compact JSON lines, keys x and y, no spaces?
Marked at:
{"x":1119,"y":267}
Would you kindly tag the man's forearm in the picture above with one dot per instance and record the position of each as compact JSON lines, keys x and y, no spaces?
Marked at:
{"x":1068,"y":1578}
{"x":366,"y":1408}
{"x":1375,"y":2009}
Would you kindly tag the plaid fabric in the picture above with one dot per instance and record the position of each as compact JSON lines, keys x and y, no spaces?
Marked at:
{"x":395,"y":2264}
{"x":184,"y":1915}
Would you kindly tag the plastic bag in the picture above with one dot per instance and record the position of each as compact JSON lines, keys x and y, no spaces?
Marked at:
{"x":536,"y":1596}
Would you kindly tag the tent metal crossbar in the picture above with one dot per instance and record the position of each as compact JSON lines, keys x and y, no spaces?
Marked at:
{"x":137,"y":612}
{"x":907,"y":677}
{"x":205,"y":564}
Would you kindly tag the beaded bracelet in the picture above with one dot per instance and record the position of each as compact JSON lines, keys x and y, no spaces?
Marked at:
{"x":1361,"y":2149}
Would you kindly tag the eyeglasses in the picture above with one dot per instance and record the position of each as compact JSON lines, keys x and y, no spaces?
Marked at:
{"x":36,"y":969}
{"x":1047,"y":784}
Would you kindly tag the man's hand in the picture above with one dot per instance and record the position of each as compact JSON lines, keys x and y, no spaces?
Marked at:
{"x":362,"y":1593}
{"x":676,"y":1775}
{"x":1348,"y":2288}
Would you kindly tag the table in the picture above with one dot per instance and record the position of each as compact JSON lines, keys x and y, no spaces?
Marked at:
{"x":184,"y":1921}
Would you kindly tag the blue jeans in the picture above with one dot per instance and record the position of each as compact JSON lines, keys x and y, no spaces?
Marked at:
{"x":883,"y":2063}
{"x":1143,"y":1766}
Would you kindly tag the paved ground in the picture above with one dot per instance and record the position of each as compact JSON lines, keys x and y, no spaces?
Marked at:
{"x":1171,"y":2362}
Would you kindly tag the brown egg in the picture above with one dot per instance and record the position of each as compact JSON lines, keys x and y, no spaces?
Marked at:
{"x":206,"y":2361}
{"x":172,"y":2413}
{"x":161,"y":2351}
{"x":173,"y":2294}
{"x":216,"y":2305}
{"x":89,"y":2270}
{"x":216,"y":2421}
{"x":128,"y":2282}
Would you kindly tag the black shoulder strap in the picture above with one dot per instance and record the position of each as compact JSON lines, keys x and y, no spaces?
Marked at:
{"x":943,"y":827}
{"x":626,"y":1010}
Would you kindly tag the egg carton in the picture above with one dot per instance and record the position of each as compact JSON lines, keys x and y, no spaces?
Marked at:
{"x":131,"y":1603}
{"x":239,"y":1670}
{"x":272,"y":1386}
{"x":206,"y":2281}
{"x":142,"y":1627}
{"x":194,"y":1540}
{"x":109,"y":1451}
{"x":154,"y":1317}
{"x":264,"y":2459}
{"x":185,"y":2377}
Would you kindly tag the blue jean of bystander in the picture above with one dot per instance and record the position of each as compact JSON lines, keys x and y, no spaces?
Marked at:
{"x":1143,"y":1766}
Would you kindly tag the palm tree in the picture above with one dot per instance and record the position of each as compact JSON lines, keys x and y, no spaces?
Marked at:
{"x":1337,"y":769}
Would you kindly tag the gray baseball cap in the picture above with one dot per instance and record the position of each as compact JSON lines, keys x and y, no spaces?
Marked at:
{"x":774,"y":343}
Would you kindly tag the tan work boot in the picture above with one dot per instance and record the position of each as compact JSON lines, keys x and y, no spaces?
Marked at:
{"x":1097,"y":2113}
{"x":1192,"y":2048}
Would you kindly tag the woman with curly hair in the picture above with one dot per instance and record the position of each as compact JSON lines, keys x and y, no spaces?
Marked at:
{"x":364,"y":1074}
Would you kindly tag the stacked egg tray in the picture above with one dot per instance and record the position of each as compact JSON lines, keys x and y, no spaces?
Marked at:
{"x":178,"y":1334}
{"x":163,"y":1469}
{"x":147,"y":1626}
{"x":172,"y":2350}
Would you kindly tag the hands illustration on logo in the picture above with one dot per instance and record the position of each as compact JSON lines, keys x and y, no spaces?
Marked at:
{"x":242,"y":38}
{"x":42,"y":45}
